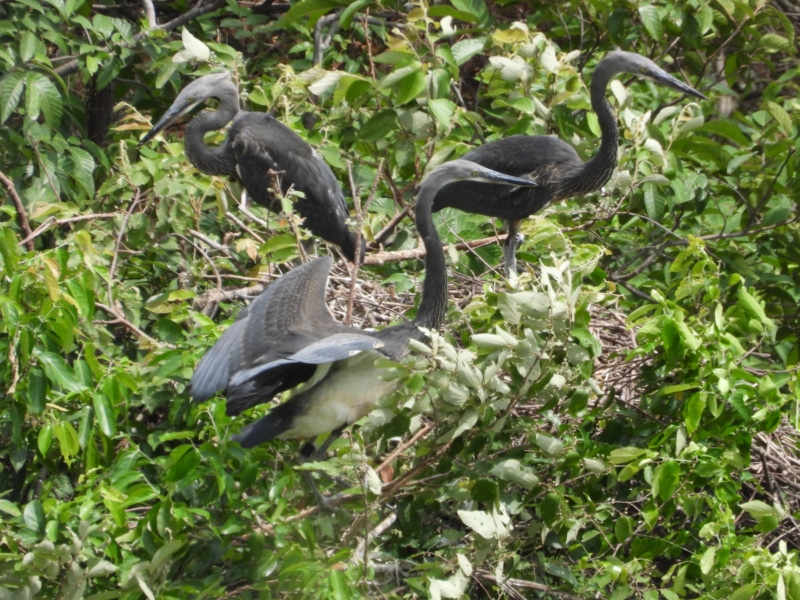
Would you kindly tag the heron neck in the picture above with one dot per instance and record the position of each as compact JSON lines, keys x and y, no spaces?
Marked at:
{"x":433,"y":306}
{"x":600,"y":167}
{"x":217,"y":160}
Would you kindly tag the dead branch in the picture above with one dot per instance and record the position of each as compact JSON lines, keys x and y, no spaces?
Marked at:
{"x":22,"y":216}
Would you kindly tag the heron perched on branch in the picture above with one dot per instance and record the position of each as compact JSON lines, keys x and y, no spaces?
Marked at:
{"x":287,"y":337}
{"x":553,"y":163}
{"x":256,"y":146}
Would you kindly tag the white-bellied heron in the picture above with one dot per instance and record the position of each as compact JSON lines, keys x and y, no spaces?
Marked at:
{"x":287,"y":337}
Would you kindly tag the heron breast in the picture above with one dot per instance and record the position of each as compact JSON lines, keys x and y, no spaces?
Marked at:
{"x":350,"y":391}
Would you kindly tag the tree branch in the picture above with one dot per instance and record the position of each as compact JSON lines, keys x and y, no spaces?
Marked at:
{"x":22,"y":216}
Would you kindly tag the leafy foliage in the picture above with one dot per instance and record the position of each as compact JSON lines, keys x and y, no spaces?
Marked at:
{"x":539,"y":447}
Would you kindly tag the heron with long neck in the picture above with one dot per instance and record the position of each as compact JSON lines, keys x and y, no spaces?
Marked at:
{"x":553,"y":163}
{"x":287,"y":338}
{"x":257,"y":148}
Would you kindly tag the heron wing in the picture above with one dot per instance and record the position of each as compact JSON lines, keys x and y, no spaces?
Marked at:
{"x":288,"y":316}
{"x":214,"y":369}
{"x":262,"y":144}
{"x":327,"y":350}
{"x":262,"y":382}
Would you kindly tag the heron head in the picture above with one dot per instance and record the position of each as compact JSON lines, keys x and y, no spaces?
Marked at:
{"x":215,"y":85}
{"x":620,"y":61}
{"x":465,"y":170}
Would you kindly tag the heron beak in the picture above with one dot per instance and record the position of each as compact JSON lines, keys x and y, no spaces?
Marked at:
{"x":175,"y":112}
{"x":668,"y":80}
{"x":496,"y":177}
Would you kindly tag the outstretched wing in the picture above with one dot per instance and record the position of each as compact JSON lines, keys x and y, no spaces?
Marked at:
{"x":262,"y":382}
{"x":288,"y":316}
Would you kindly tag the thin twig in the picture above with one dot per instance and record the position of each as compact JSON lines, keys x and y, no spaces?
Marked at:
{"x":22,"y":216}
{"x":392,"y":224}
{"x":208,"y":241}
{"x":150,"y":13}
{"x":402,"y":447}
{"x":51,"y":222}
{"x":121,"y":320}
{"x":361,"y":549}
{"x":242,"y":224}
{"x":380,"y":258}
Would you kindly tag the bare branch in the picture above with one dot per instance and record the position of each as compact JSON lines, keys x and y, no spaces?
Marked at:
{"x":22,"y":216}
{"x":150,"y":13}
{"x":380,"y":258}
{"x":51,"y":222}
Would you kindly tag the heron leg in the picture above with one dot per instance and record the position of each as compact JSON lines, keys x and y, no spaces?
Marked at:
{"x":510,"y":249}
{"x":309,"y":453}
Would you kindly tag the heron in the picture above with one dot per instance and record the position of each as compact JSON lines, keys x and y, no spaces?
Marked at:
{"x":287,"y":338}
{"x":257,"y":146}
{"x":553,"y":163}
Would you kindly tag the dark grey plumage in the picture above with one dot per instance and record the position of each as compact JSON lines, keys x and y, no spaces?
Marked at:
{"x":551,"y":162}
{"x":287,"y":337}
{"x":256,"y":144}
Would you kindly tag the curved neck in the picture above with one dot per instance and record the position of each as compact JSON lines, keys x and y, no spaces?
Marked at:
{"x":600,"y":167}
{"x":433,"y":306}
{"x":218,"y":160}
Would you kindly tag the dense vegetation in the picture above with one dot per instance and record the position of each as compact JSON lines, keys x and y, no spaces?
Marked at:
{"x":621,"y":424}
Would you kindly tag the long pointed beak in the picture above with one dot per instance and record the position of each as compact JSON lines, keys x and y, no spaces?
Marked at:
{"x":668,"y":80}
{"x":173,"y":113}
{"x":497,"y":177}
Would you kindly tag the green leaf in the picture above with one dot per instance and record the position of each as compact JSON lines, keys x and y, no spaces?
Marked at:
{"x":752,"y":306}
{"x":67,"y":440}
{"x":745,"y":592}
{"x":623,"y":529}
{"x":42,"y":96}
{"x":651,"y":21}
{"x":379,"y":126}
{"x":485,"y":490}
{"x":11,"y":89}
{"x":513,"y":471}
{"x":83,"y":169}
{"x":693,"y":411}
{"x":28,"y":45}
{"x":620,"y":456}
{"x":707,"y":561}
{"x":548,"y":507}
{"x":10,"y":508}
{"x":665,"y":479}
{"x":59,"y":372}
{"x":442,"y":110}
{"x":411,"y":86}
{"x":34,"y":516}
{"x":37,"y":391}
{"x":465,"y":49}
{"x":781,"y":116}
{"x":346,"y":16}
{"x":104,"y":413}
{"x":670,"y":336}
{"x":310,"y":8}
{"x":182,"y":462}
{"x":776,"y":42}
{"x":45,"y":439}
{"x":476,"y":8}
{"x":653,"y":201}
